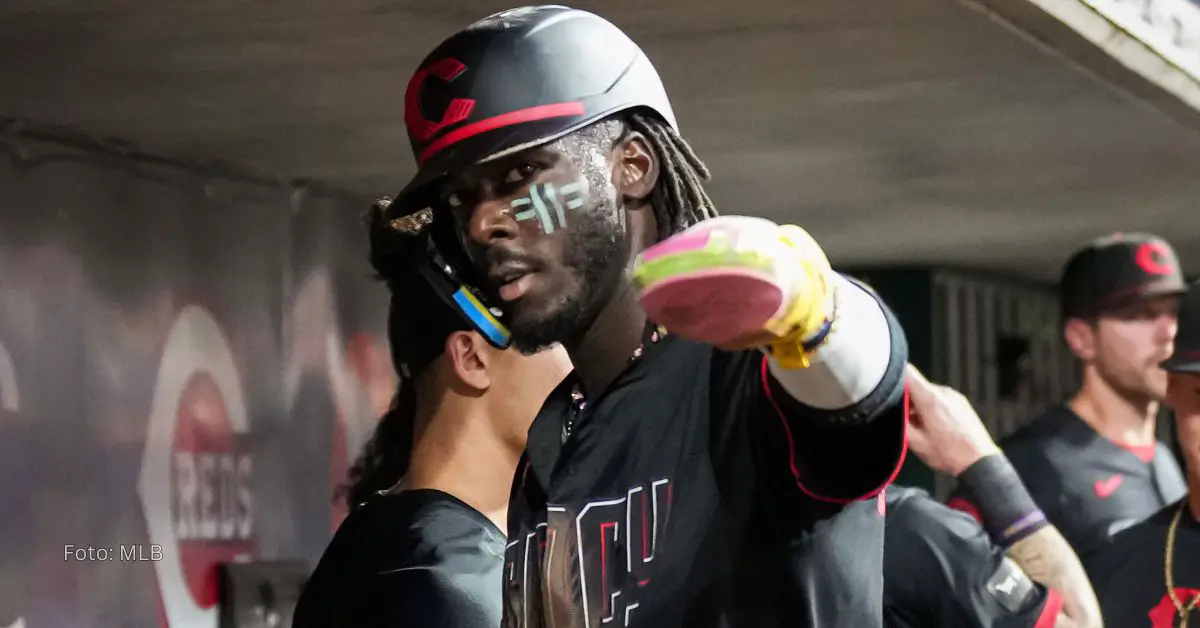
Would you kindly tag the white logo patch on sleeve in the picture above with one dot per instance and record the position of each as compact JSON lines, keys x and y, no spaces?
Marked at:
{"x":1010,"y":586}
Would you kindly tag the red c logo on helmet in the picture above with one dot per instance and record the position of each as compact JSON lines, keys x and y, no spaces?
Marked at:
{"x":459,"y":108}
{"x":1154,"y":258}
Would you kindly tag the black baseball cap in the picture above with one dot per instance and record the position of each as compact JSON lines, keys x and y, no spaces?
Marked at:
{"x":1186,"y":358}
{"x":1116,"y":270}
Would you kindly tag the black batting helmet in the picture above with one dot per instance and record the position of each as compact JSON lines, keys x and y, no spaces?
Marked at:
{"x":516,"y":80}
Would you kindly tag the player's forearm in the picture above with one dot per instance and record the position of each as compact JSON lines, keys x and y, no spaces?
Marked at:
{"x":854,"y":361}
{"x":1048,"y":559}
{"x":1014,"y":522}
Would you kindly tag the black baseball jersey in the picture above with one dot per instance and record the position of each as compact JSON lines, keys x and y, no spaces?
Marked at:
{"x":940,"y":568}
{"x":415,"y":558}
{"x":696,"y":493}
{"x":1088,"y":486}
{"x":1129,"y":576}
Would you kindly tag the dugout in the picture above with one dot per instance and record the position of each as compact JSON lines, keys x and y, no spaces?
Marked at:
{"x":181,"y":174}
{"x":995,"y":339}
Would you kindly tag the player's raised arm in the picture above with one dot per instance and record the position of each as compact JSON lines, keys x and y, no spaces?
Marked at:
{"x":833,"y":371}
{"x":948,"y":435}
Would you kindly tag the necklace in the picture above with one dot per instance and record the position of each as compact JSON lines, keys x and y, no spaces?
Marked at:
{"x":1182,"y":609}
{"x":651,"y":336}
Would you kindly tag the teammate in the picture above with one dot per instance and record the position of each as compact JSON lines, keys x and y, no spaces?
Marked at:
{"x":424,"y":550}
{"x":1150,"y":575}
{"x":668,"y":483}
{"x":941,"y":568}
{"x":1094,"y":465}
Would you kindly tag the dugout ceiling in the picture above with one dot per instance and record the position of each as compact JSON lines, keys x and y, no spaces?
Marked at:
{"x":914,"y":131}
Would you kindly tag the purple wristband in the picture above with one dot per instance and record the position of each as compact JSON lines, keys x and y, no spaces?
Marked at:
{"x":1009,"y":513}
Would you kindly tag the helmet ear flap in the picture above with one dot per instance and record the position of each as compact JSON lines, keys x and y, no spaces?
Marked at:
{"x":448,"y":249}
{"x":456,"y":280}
{"x":426,"y":248}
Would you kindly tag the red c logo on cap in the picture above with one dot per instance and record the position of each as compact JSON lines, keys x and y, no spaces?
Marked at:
{"x":1154,"y":258}
{"x":459,"y":108}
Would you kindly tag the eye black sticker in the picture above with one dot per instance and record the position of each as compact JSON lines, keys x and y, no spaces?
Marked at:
{"x":547,"y":204}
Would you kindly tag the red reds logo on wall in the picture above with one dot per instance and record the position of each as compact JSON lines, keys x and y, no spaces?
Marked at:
{"x":195,"y":482}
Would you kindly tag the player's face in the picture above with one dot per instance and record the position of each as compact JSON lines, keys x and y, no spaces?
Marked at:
{"x":1131,"y":343}
{"x":1184,"y":398}
{"x":546,"y":227}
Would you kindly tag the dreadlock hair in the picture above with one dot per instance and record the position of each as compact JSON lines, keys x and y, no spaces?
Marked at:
{"x":679,"y":199}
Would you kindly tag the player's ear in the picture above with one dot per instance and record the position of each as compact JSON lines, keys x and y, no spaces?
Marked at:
{"x":637,"y":167}
{"x":1080,"y":336}
{"x":469,"y":359}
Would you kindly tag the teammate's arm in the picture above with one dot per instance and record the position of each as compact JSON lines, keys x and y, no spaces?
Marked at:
{"x":941,"y":569}
{"x":947,"y":434}
{"x":1048,"y":559}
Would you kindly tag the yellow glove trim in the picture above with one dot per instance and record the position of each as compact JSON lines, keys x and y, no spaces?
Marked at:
{"x":809,"y":314}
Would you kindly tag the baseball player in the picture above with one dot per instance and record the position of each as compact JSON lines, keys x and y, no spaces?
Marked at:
{"x":716,"y":464}
{"x":1093,"y":465}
